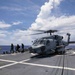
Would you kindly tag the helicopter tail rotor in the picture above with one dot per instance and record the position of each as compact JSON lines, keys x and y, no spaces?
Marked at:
{"x":70,"y":42}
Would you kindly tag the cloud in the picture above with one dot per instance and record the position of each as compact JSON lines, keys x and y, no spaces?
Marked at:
{"x":46,"y":9}
{"x":19,"y":8}
{"x":15,"y":37}
{"x":16,"y":23}
{"x":19,"y":37}
{"x":11,"y":8}
{"x":4,"y":25}
{"x":44,"y":15}
{"x":2,"y":35}
{"x":45,"y":20}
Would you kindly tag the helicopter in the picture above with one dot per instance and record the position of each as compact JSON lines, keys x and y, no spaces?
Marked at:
{"x":50,"y":44}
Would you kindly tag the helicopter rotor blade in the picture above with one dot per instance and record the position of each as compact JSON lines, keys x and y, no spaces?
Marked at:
{"x":61,"y":31}
{"x":46,"y":31}
{"x":43,"y":31}
{"x":37,"y":30}
{"x":34,"y":34}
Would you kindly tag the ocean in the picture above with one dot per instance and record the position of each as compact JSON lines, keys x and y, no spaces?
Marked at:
{"x":4,"y":48}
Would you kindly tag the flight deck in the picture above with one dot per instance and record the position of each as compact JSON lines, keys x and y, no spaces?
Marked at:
{"x":28,"y":64}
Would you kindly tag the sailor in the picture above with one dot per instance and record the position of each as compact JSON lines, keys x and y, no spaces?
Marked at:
{"x":17,"y":48}
{"x":22,"y":48}
{"x":12,"y":48}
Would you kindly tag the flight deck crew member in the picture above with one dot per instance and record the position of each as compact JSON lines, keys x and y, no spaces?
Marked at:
{"x":17,"y":48}
{"x":12,"y":48}
{"x":22,"y":47}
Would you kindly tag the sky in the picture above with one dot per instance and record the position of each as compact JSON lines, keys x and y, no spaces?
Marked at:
{"x":18,"y":17}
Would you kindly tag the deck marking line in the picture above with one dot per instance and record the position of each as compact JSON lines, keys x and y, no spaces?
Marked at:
{"x":24,"y":60}
{"x":33,"y":64}
{"x":48,"y":66}
{"x":8,"y":65}
{"x":13,"y":62}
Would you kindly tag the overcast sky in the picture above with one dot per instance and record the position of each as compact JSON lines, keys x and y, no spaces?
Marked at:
{"x":18,"y":15}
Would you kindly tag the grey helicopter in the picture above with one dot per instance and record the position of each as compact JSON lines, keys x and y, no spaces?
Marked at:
{"x":50,"y":44}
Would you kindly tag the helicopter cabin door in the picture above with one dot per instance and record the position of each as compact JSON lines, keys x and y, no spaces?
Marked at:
{"x":50,"y":46}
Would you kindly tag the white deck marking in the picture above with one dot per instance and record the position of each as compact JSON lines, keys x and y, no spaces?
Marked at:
{"x":8,"y":65}
{"x":49,"y":66}
{"x":24,"y":60}
{"x":33,"y":54}
{"x":72,"y":52}
{"x":33,"y":64}
{"x":13,"y":62}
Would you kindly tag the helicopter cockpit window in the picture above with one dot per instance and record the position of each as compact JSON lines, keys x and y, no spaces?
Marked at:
{"x":36,"y":42}
{"x":47,"y":42}
{"x":41,"y":41}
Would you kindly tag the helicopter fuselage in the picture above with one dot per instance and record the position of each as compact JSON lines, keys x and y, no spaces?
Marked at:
{"x":48,"y":45}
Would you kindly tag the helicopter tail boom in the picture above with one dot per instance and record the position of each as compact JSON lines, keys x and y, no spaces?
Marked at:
{"x":71,"y":42}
